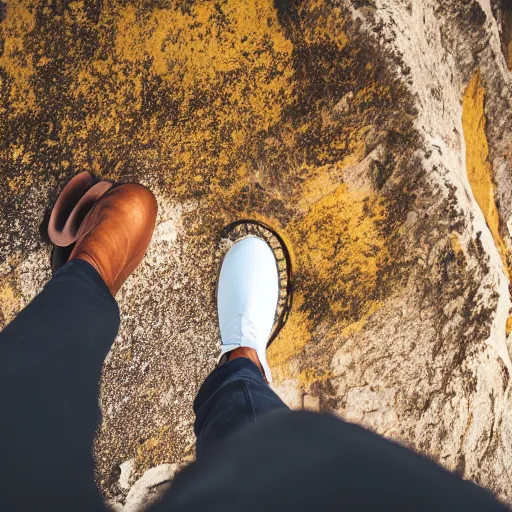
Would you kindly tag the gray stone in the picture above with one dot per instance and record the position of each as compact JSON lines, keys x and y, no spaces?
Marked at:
{"x":149,"y":488}
{"x":126,"y":474}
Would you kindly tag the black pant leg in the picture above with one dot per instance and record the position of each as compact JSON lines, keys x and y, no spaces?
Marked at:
{"x":300,"y":462}
{"x":51,"y":357}
{"x":234,"y":394}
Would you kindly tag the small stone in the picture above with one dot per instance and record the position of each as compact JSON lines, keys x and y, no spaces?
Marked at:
{"x":343,"y":105}
{"x":149,"y":488}
{"x":126,"y":474}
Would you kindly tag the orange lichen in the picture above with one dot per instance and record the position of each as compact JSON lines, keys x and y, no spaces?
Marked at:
{"x":153,"y":449}
{"x":456,"y":245}
{"x":226,"y":69}
{"x":14,"y":59}
{"x":19,"y":183}
{"x":342,"y":245}
{"x":9,"y":303}
{"x":339,"y":246}
{"x":310,"y":376}
{"x":329,"y":26}
{"x":508,"y":327}
{"x":478,"y":167}
{"x":294,"y":336}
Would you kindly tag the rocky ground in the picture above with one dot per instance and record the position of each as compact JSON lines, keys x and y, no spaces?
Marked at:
{"x":373,"y":136}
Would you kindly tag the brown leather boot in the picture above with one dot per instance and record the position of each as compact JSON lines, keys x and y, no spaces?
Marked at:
{"x":115,"y":234}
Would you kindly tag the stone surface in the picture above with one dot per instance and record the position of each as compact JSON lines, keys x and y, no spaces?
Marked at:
{"x":290,"y":392}
{"x":311,"y":403}
{"x":125,"y":476}
{"x":374,"y":136}
{"x":149,"y":488}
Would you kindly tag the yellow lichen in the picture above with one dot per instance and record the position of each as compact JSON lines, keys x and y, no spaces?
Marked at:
{"x":508,"y":328}
{"x":153,"y":449}
{"x":339,"y":246}
{"x":310,"y":376}
{"x":10,"y":303}
{"x":17,"y":62}
{"x":456,"y":245}
{"x":294,"y":336}
{"x":478,"y":167}
{"x":342,"y":243}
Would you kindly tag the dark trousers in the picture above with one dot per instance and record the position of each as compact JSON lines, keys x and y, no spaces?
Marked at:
{"x":233,"y":394}
{"x":252,"y":452}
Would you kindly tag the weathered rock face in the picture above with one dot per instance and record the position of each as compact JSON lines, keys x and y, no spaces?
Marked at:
{"x":373,"y":136}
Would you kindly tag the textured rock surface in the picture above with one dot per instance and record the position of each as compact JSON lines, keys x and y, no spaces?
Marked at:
{"x":373,"y":135}
{"x":147,"y":489}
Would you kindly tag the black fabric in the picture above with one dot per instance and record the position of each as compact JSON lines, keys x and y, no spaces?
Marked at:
{"x":253,"y":453}
{"x":233,"y":395}
{"x":51,"y":357}
{"x":302,"y":461}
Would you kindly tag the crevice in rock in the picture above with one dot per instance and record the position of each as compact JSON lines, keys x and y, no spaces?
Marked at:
{"x":503,"y":10}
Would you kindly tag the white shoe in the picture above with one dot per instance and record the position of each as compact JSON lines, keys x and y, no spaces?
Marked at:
{"x":247,"y":296}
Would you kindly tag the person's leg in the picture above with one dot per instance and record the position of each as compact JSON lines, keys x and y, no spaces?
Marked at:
{"x":254,"y":454}
{"x":303,"y":462}
{"x":50,"y":363}
{"x":234,"y":394}
{"x":51,"y":357}
{"x":237,"y":391}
